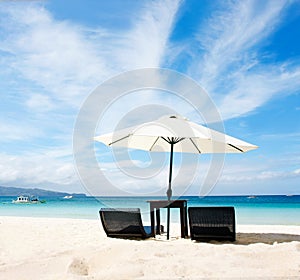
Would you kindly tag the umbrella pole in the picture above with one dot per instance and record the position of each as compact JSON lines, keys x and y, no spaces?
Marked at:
{"x":169,"y":191}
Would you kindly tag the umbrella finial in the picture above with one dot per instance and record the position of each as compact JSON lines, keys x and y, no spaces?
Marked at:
{"x":178,"y":117}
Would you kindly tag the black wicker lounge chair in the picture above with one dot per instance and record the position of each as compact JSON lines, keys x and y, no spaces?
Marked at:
{"x":124,"y":223}
{"x":212,"y":223}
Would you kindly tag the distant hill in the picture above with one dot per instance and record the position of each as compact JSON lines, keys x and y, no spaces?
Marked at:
{"x":11,"y":191}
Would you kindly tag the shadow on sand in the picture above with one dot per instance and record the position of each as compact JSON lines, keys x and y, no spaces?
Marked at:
{"x":266,"y":238}
{"x":254,"y":238}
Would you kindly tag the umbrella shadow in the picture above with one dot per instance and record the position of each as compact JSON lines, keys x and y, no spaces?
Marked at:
{"x":266,"y":238}
{"x":263,"y":238}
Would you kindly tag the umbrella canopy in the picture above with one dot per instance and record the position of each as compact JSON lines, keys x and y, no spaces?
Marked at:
{"x":174,"y":134}
{"x":157,"y":136}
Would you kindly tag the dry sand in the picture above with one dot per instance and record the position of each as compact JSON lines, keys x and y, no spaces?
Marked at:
{"x":48,"y":248}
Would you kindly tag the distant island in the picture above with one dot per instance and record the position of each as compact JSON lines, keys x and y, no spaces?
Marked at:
{"x":12,"y":191}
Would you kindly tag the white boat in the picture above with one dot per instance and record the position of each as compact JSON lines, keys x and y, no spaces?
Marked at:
{"x":68,"y":197}
{"x":23,"y":199}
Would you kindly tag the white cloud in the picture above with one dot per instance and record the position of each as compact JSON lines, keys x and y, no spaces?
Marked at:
{"x":259,"y":172}
{"x":61,"y":62}
{"x":17,"y":131}
{"x":227,"y":61}
{"x":146,"y":44}
{"x":37,"y":169}
{"x":282,"y":136}
{"x":134,"y":177}
{"x":68,"y":60}
{"x":39,"y":102}
{"x":297,"y":171}
{"x":54,"y":55}
{"x":253,"y":90}
{"x":230,"y":36}
{"x":31,"y":158}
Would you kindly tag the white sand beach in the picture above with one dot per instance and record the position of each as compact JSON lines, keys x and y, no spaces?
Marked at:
{"x":49,"y":248}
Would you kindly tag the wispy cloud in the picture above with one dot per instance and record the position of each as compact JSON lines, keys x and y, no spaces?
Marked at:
{"x":54,"y":64}
{"x":39,"y":102}
{"x":227,"y":61}
{"x":282,"y":136}
{"x":146,"y":44}
{"x":68,"y":60}
{"x":255,"y":89}
{"x":15,"y":131}
{"x":54,"y":55}
{"x":230,"y":37}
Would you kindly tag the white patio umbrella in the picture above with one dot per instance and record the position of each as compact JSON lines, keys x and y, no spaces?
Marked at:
{"x":165,"y":133}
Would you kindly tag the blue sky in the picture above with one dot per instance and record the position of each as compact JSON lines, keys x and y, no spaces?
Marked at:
{"x":245,"y":54}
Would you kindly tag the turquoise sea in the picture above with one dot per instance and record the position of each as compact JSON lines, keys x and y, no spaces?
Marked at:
{"x":272,"y":210}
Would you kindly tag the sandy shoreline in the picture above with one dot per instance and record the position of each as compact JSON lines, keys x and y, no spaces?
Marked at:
{"x":49,"y":248}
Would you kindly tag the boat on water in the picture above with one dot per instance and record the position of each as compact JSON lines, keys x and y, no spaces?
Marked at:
{"x":68,"y":197}
{"x":24,"y":199}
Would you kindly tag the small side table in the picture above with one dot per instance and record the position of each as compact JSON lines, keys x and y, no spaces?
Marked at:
{"x":157,"y":204}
